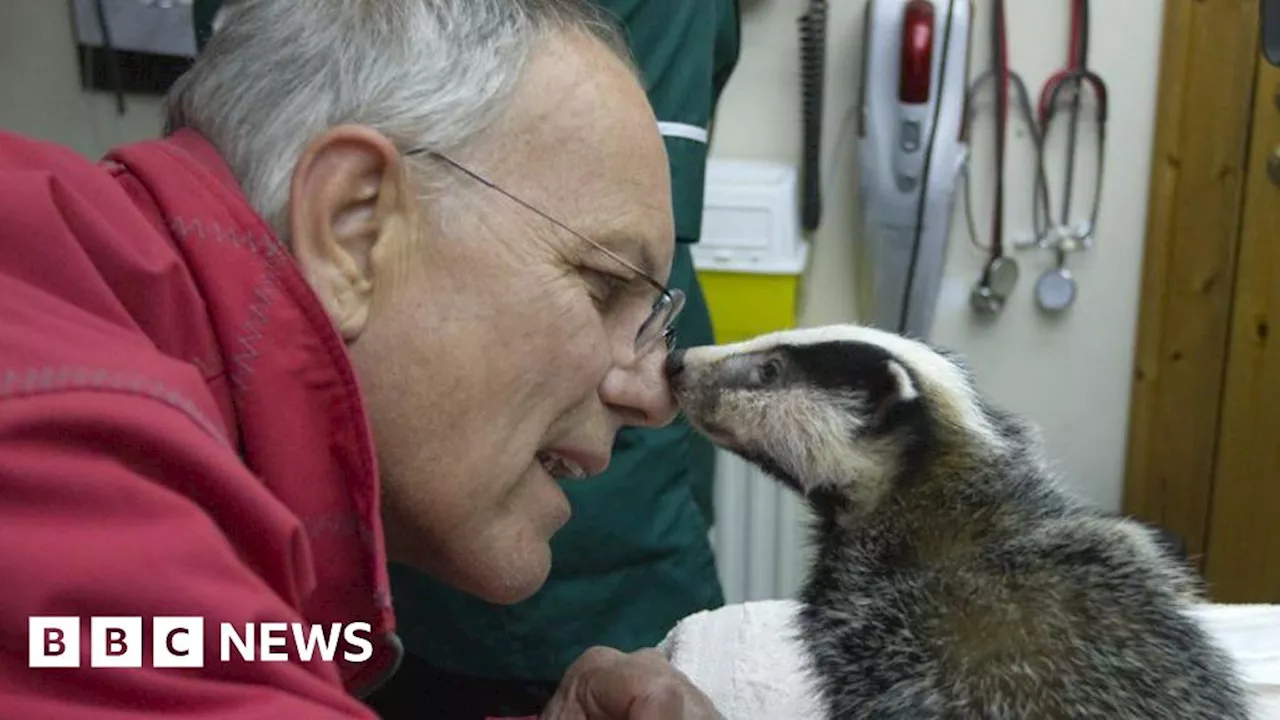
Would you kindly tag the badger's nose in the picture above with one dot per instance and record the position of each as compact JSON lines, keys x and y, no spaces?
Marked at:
{"x":675,"y":363}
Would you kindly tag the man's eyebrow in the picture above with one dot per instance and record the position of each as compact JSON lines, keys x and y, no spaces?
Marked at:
{"x":647,"y":263}
{"x":626,"y":246}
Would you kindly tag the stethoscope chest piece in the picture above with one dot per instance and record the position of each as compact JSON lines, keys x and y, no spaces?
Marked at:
{"x":1055,"y":290}
{"x":989,"y":294}
{"x":1002,"y":276}
{"x":984,"y":301}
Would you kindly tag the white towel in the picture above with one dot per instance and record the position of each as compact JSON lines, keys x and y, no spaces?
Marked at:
{"x":747,"y":659}
{"x":1252,"y":634}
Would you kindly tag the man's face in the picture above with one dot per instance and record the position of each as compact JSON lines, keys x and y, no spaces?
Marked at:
{"x":499,"y":338}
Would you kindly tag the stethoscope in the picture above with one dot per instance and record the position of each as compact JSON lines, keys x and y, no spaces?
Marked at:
{"x":1056,"y":288}
{"x":1000,"y":272}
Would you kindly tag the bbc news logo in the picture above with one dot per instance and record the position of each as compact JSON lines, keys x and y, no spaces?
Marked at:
{"x":179,"y":642}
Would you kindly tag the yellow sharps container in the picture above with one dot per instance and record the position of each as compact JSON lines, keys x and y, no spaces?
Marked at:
{"x":750,"y":258}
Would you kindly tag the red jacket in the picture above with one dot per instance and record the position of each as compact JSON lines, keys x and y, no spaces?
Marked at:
{"x":181,"y":434}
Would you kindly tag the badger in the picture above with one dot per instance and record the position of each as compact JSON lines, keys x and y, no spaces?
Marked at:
{"x":953,"y":577}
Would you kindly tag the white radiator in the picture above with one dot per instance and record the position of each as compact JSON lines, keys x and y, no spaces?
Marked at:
{"x":751,"y":223}
{"x":760,"y":536}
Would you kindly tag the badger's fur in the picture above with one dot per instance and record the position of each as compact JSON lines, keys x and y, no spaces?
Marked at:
{"x":953,"y":577}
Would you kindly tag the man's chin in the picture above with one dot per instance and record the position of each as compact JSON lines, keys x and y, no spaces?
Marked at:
{"x":517,"y":584}
{"x":500,"y":575}
{"x":506,"y":562}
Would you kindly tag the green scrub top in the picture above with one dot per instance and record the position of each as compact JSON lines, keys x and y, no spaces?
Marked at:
{"x":635,"y":558}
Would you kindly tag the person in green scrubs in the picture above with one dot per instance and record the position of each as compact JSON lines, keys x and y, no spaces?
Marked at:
{"x":636,"y":557}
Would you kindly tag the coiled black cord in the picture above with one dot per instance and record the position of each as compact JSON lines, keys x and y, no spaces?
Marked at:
{"x":813,"y":59}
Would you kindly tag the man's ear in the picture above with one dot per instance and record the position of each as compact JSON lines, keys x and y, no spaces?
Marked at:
{"x":349,"y":215}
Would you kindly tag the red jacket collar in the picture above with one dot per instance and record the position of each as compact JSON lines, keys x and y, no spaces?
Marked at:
{"x":294,"y":403}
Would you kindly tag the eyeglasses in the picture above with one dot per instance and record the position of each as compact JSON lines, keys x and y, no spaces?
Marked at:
{"x":660,"y":325}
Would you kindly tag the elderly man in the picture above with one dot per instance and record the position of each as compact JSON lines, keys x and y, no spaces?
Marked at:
{"x":635,"y":557}
{"x":393,"y":255}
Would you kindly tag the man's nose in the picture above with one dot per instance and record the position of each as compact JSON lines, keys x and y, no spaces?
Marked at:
{"x":639,"y":392}
{"x":674,"y":364}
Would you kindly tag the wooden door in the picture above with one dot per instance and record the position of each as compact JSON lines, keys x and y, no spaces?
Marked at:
{"x":1204,"y":440}
{"x":1243,"y":559}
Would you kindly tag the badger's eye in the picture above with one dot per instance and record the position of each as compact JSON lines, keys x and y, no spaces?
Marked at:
{"x":769,"y":371}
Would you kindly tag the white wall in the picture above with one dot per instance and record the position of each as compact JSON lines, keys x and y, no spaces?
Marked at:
{"x":40,"y":93}
{"x":1072,"y":376}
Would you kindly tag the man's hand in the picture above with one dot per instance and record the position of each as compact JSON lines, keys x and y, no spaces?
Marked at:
{"x":605,"y":684}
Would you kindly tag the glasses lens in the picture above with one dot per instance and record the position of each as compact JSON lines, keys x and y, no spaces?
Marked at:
{"x":658,"y":325}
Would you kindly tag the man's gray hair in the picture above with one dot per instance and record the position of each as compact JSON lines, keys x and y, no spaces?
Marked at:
{"x":277,"y":73}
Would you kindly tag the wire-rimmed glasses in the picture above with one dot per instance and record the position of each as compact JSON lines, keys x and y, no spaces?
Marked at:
{"x":659,"y":325}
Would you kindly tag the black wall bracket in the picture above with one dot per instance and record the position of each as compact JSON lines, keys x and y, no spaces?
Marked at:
{"x":1271,"y":31}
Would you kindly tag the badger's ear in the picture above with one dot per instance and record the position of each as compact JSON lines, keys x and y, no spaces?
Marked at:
{"x":892,"y":387}
{"x":904,"y":386}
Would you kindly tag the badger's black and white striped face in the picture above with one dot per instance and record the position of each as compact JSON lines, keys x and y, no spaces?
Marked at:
{"x":829,"y":407}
